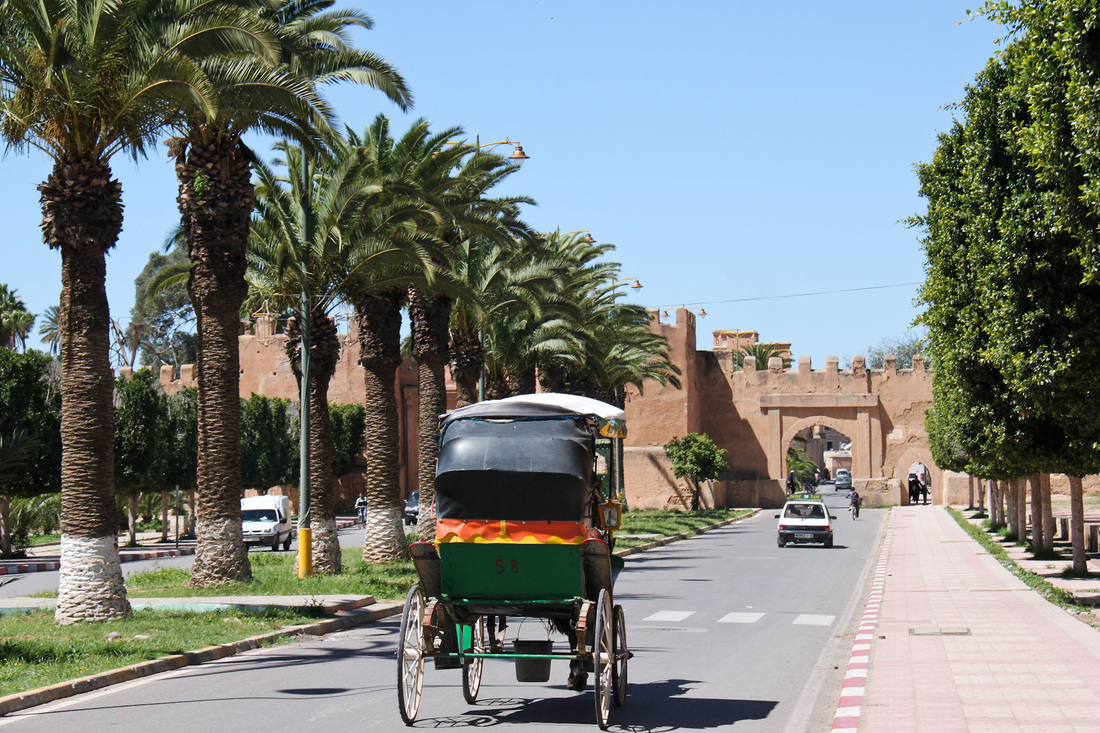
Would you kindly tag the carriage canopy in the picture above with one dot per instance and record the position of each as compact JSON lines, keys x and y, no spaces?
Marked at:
{"x":523,"y":458}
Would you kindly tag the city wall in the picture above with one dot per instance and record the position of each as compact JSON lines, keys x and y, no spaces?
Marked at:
{"x":753,"y":413}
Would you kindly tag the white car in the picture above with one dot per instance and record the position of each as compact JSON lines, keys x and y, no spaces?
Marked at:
{"x":805,"y":518}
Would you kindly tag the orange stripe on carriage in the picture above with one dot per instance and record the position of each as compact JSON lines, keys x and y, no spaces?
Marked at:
{"x":506,"y":531}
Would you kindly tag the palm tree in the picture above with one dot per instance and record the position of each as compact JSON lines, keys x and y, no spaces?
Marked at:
{"x":514,"y":285}
{"x":460,"y":197}
{"x":216,"y":202}
{"x":15,"y":321}
{"x":615,"y":347}
{"x":82,"y":81}
{"x":399,"y":217}
{"x":50,"y":329}
{"x":312,"y":233}
{"x":763,"y":354}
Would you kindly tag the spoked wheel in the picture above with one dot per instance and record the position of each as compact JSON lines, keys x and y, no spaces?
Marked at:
{"x":471,"y":671}
{"x":603,"y":659}
{"x":622,"y":654}
{"x":410,"y":656}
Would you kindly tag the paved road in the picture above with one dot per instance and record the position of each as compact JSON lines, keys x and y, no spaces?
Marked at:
{"x":729,"y":632}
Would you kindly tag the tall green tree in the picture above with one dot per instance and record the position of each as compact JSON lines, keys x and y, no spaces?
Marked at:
{"x":30,"y":431}
{"x":269,"y":452}
{"x":696,"y":458}
{"x":82,"y":81}
{"x":141,"y":434}
{"x":164,"y":314}
{"x":1011,"y":306}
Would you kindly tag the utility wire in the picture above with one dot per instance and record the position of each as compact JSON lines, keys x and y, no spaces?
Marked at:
{"x":791,"y":295}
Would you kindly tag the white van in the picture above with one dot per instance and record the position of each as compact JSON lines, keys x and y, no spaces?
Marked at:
{"x":266,"y":521}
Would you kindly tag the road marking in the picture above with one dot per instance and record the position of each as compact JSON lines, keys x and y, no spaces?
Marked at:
{"x":669,"y":616}
{"x":740,"y":618}
{"x":809,"y":619}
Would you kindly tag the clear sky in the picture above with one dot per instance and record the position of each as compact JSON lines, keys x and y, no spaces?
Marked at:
{"x":734,"y":152}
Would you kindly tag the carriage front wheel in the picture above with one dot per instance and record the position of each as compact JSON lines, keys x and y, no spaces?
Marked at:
{"x":471,"y":671}
{"x":410,"y":656}
{"x":603,"y":659}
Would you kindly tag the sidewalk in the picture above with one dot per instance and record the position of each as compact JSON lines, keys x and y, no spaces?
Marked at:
{"x":951,"y":641}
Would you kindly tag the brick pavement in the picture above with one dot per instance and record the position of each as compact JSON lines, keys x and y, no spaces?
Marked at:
{"x":957,"y":643}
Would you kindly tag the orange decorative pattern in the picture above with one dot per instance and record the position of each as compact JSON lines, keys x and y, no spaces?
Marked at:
{"x":530,"y":532}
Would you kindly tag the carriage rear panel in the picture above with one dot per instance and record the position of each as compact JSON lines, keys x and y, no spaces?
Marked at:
{"x":531,"y":469}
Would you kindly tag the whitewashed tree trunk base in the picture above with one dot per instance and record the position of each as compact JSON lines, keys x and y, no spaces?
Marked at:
{"x":326,"y":546}
{"x":90,"y":583}
{"x":221,"y":556}
{"x":385,"y":538}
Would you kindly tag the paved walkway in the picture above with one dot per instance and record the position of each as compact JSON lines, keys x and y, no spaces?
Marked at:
{"x":952,"y":641}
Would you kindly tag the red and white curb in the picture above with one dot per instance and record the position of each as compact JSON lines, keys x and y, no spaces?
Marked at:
{"x":124,"y":556}
{"x":850,"y":706}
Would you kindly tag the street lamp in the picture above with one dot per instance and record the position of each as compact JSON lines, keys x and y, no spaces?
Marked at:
{"x":517,"y":158}
{"x":635,"y":287}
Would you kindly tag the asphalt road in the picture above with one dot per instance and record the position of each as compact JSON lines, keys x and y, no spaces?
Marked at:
{"x":729,"y":632}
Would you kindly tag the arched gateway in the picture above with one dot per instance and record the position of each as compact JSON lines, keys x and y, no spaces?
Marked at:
{"x":755,"y":412}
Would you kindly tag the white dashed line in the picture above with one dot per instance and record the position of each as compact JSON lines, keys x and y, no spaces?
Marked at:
{"x":669,"y":616}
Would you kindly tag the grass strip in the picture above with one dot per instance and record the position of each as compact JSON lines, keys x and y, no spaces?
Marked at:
{"x":1058,"y":596}
{"x":666,"y":523}
{"x":35,"y":652}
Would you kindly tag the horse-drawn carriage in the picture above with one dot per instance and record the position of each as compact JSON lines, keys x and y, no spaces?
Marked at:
{"x":526,"y":500}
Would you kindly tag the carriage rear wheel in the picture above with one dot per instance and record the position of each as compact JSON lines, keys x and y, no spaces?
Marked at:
{"x":410,"y":656}
{"x":603,"y":659}
{"x":471,"y":671}
{"x":622,"y":654}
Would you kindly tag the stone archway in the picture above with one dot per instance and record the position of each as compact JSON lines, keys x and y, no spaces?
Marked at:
{"x":845,"y":427}
{"x":910,"y":455}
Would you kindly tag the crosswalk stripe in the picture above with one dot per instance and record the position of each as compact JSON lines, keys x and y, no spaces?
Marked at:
{"x":809,"y":619}
{"x":669,"y":616}
{"x":740,"y":618}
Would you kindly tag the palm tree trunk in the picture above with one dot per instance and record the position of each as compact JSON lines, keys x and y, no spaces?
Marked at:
{"x":378,"y":319}
{"x":430,"y":315}
{"x":82,"y":215}
{"x":215,"y":202}
{"x":324,"y":353}
{"x":467,"y":361}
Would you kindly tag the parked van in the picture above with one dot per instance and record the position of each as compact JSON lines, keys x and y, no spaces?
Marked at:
{"x":266,"y":521}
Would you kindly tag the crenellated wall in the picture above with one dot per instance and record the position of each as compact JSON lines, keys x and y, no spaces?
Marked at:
{"x":753,"y":413}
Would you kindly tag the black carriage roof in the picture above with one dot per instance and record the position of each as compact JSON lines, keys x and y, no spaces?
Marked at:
{"x":610,"y":420}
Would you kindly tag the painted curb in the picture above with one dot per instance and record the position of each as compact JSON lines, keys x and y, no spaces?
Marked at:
{"x":849,"y":708}
{"x":347,"y":619}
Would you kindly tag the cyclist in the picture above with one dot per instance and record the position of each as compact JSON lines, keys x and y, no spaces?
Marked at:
{"x":853,"y":499}
{"x":361,"y":510}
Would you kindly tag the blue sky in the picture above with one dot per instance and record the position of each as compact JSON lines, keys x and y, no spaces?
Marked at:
{"x":732,"y":151}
